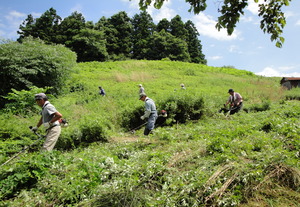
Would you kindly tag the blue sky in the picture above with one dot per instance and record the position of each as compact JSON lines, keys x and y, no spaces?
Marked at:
{"x":248,"y":48}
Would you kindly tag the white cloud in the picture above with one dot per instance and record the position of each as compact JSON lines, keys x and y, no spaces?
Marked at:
{"x":12,"y":15}
{"x":164,"y":12}
{"x":280,"y":72}
{"x":246,"y":19}
{"x":133,"y":4}
{"x":215,"y":57}
{"x":253,"y":7}
{"x":298,"y":23}
{"x":288,"y":14}
{"x":13,"y":19}
{"x":234,"y":49}
{"x":157,"y":14}
{"x":286,"y":68}
{"x":269,"y":72}
{"x":205,"y":25}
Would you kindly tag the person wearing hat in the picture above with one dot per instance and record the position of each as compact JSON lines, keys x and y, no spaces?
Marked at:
{"x":150,"y":113}
{"x":235,"y":100}
{"x":141,"y":90}
{"x":101,"y":91}
{"x":182,"y":86}
{"x":49,"y":119}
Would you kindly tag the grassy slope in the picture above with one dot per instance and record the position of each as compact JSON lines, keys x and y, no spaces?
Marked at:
{"x":217,"y":161}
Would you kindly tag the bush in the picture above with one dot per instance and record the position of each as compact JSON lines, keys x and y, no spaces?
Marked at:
{"x":292,"y":94}
{"x":182,"y":107}
{"x":33,"y":63}
{"x":131,"y":117}
{"x":22,"y":102}
{"x":264,"y":106}
{"x":87,"y":131}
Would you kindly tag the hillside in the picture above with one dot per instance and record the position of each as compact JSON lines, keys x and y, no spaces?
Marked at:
{"x":198,"y":157}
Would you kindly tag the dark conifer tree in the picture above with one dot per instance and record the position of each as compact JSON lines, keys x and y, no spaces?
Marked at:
{"x":177,"y":28}
{"x":143,"y":28}
{"x":163,"y":24}
{"x":90,"y":45}
{"x":44,"y":27}
{"x":69,"y":27}
{"x":118,"y":30}
{"x":165,"y":45}
{"x":194,"y":44}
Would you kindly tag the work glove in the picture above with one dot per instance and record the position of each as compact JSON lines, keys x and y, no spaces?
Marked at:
{"x":34,"y":129}
{"x":142,"y":117}
{"x":47,"y":124}
{"x":147,"y":114}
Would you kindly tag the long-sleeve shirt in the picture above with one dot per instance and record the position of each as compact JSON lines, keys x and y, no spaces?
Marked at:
{"x":149,"y":107}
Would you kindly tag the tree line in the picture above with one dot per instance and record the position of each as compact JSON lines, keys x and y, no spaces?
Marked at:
{"x":118,"y":37}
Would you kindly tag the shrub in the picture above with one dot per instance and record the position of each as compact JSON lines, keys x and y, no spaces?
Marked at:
{"x":131,"y":117}
{"x":264,"y":106}
{"x":89,"y":130}
{"x":22,"y":102}
{"x":182,"y":107}
{"x":24,"y":176}
{"x":292,"y":94}
{"x":33,"y":63}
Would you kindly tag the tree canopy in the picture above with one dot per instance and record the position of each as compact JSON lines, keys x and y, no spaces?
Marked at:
{"x":270,"y":12}
{"x":118,"y":37}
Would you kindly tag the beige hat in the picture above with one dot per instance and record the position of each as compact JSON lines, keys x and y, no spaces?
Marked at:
{"x":142,"y":95}
{"x":40,"y":96}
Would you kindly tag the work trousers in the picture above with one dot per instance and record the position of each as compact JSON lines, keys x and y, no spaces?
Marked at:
{"x":236,"y":108}
{"x":51,"y":138}
{"x":151,"y":123}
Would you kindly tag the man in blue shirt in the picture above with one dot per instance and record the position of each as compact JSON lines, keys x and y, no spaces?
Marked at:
{"x":101,"y":91}
{"x":150,"y":113}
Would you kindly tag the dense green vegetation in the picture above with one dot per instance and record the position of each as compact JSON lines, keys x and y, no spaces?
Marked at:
{"x":33,"y":63}
{"x":199,"y":157}
{"x":119,"y":37}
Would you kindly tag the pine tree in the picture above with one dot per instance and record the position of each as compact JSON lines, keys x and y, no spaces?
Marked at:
{"x":143,"y":28}
{"x":118,"y":30}
{"x":177,"y":28}
{"x":194,"y":44}
{"x":44,"y":27}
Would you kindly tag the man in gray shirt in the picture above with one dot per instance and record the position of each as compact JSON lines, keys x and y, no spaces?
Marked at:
{"x":49,"y":118}
{"x":150,"y":113}
{"x":141,"y":90}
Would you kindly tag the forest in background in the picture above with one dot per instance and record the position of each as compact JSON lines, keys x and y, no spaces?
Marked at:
{"x":118,"y":37}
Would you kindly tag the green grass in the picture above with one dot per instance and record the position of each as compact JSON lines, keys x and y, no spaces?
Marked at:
{"x":248,"y":159}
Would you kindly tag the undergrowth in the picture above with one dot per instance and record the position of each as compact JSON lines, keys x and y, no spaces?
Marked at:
{"x":198,"y":157}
